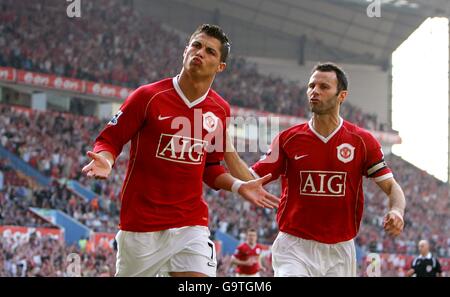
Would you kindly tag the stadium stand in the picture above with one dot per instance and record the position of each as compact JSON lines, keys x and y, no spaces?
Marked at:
{"x":104,"y":51}
{"x":228,"y":213}
{"x":37,"y":253}
{"x":55,"y":143}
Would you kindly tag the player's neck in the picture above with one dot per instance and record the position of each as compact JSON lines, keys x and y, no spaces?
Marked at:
{"x":193,"y":87}
{"x":325,"y":124}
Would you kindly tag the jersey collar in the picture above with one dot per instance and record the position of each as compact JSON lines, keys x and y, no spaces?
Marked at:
{"x":428,"y":256}
{"x":183,"y":97}
{"x":325,"y":139}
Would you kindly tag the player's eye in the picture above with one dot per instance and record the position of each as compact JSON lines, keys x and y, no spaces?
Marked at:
{"x":211,"y":51}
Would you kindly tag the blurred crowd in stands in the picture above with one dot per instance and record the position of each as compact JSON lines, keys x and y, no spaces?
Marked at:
{"x":426,"y":216}
{"x":55,"y":144}
{"x":31,"y":136}
{"x":111,"y":43}
{"x":32,"y":255}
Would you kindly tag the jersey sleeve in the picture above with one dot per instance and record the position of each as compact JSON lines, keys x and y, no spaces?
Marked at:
{"x":274,"y":161}
{"x":438,"y":266}
{"x":237,"y":253}
{"x":214,"y":156}
{"x":124,"y":124}
{"x":375,"y":166}
{"x":413,"y":264}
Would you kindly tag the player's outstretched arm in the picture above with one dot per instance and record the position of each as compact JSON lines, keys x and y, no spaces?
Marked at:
{"x":237,"y":167}
{"x":100,"y":166}
{"x":393,"y":220}
{"x":252,"y":191}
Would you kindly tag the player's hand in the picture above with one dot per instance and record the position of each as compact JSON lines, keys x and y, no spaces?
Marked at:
{"x":99,"y":167}
{"x":254,"y":192}
{"x":393,"y":223}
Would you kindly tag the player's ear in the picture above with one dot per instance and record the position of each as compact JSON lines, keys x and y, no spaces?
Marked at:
{"x":222,"y":66}
{"x":342,"y":96}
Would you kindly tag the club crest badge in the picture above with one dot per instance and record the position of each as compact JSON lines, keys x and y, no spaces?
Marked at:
{"x":210,"y":121}
{"x":345,"y":152}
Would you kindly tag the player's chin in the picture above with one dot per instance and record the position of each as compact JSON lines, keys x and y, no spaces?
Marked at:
{"x":313,"y":109}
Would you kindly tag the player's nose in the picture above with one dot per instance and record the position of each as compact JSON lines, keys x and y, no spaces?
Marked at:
{"x":200,"y":53}
{"x":312,"y":93}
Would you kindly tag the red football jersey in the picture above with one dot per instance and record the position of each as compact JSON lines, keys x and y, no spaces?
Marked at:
{"x":172,"y":140}
{"x":322,"y":196}
{"x":244,"y":252}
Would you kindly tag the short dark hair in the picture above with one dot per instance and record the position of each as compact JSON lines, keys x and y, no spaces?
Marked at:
{"x":340,"y":74}
{"x":216,"y":32}
{"x":251,"y":230}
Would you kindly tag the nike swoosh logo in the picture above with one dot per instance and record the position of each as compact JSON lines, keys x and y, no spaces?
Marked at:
{"x":163,"y":118}
{"x":299,"y":157}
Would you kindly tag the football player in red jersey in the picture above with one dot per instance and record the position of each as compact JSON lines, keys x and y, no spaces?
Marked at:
{"x":177,"y":128}
{"x":248,"y":256}
{"x":322,"y":164}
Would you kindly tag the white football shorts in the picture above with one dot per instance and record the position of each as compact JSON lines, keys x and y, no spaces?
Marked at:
{"x":294,"y":256}
{"x":158,"y":253}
